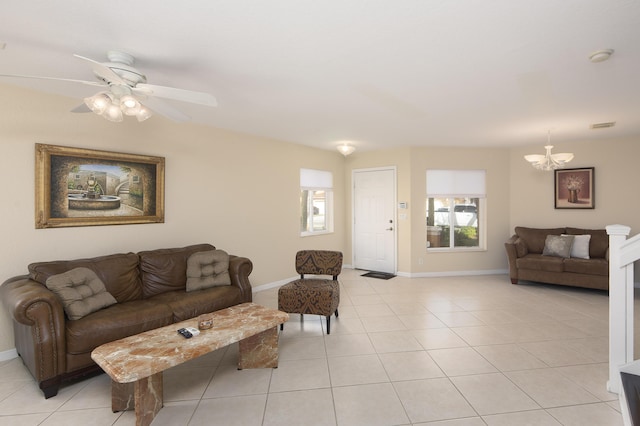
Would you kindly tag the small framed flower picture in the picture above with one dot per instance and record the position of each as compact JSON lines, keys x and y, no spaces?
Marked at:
{"x":574,"y":188}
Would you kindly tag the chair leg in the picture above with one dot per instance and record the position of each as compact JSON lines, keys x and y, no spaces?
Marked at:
{"x":336,"y":312}
{"x":328,"y":324}
{"x":281,"y":326}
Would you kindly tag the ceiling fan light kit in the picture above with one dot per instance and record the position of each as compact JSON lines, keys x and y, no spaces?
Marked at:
{"x":549,"y":161}
{"x":122,"y":88}
{"x":112,"y":108}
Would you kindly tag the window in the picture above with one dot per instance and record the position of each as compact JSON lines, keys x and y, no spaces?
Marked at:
{"x":455,"y":209}
{"x":316,"y":202}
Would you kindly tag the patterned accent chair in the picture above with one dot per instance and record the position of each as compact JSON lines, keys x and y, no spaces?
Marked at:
{"x":316,"y":296}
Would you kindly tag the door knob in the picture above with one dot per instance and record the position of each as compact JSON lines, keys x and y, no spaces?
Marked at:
{"x":390,"y":229}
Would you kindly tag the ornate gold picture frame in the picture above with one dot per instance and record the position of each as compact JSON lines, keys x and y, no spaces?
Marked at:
{"x":85,"y":187}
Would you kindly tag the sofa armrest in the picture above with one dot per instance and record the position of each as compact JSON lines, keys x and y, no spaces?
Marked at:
{"x":515,"y":248}
{"x":39,"y":326}
{"x":239,"y":270}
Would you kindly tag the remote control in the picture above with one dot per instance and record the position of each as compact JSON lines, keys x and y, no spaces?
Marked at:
{"x":185,"y":333}
{"x":194,"y":331}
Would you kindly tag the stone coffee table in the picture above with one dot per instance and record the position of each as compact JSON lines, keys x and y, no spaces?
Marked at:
{"x":135,"y":364}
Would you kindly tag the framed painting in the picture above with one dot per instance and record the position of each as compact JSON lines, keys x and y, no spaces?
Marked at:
{"x":574,"y":188}
{"x":84,"y":187}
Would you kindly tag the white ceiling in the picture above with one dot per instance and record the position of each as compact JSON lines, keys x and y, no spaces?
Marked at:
{"x":379,"y":73}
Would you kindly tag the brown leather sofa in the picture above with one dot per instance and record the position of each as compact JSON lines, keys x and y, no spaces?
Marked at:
{"x":150,"y":290}
{"x":527,"y":261}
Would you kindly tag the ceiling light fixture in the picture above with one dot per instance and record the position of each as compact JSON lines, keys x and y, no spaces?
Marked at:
{"x":600,"y":55}
{"x":112,"y":105}
{"x":346,"y":149}
{"x":549,"y":161}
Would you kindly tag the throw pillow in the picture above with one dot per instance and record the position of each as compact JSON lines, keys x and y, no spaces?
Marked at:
{"x":207,"y":269}
{"x":80,"y":291}
{"x":558,"y":245}
{"x":580,"y":247}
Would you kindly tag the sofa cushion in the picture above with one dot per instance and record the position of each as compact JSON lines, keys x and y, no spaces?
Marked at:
{"x":165,"y":270}
{"x":80,"y":291}
{"x":115,"y":322}
{"x":207,"y":269}
{"x":595,"y":266}
{"x":580,"y":247}
{"x":599,"y":244}
{"x":538,"y":262}
{"x":118,"y":272}
{"x":189,"y":305}
{"x":534,"y":238}
{"x":558,"y":245}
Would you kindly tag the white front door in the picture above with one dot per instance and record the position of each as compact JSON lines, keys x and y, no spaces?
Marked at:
{"x":374,"y":228}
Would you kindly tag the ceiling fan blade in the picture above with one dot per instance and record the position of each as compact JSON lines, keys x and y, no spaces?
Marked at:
{"x":81,"y":108}
{"x":103,"y":72}
{"x":176,"y":94}
{"x":69,"y":80}
{"x":162,"y":108}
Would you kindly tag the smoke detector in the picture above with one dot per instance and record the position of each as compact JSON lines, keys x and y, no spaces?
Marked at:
{"x":600,"y":55}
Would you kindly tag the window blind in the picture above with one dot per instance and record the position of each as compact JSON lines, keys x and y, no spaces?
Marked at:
{"x":456,"y":183}
{"x":316,"y":179}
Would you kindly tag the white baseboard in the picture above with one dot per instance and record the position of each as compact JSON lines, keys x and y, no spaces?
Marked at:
{"x":279,"y":283}
{"x":274,"y":284}
{"x":7,"y":355}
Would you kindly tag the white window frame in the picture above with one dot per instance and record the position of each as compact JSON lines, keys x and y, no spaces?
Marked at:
{"x":452,"y":184}
{"x":317,"y":180}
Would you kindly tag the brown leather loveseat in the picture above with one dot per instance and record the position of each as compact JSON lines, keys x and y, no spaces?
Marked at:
{"x":150,"y":291}
{"x":528,"y":260}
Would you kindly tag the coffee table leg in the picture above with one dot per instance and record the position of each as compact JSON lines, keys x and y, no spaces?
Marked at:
{"x":145,"y":395}
{"x":260,"y":350}
{"x":148,"y":397}
{"x":121,"y":396}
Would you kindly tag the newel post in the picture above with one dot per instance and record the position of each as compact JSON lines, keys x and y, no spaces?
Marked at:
{"x":620,"y":307}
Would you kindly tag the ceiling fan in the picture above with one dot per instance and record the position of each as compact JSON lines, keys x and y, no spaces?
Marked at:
{"x":125,"y":91}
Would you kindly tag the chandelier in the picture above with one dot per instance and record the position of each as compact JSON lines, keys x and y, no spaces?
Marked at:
{"x":549,"y":161}
{"x":112,"y":105}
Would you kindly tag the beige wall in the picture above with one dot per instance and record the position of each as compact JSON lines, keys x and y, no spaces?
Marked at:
{"x":495,"y":161}
{"x":238,"y":192}
{"x":616,"y":177}
{"x":400,"y":159}
{"x":517,"y":194}
{"x":411,"y":165}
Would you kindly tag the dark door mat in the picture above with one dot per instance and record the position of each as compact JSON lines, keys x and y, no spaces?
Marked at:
{"x":379,"y":275}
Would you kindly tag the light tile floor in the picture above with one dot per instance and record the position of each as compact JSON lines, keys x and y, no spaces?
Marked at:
{"x":454,"y":351}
